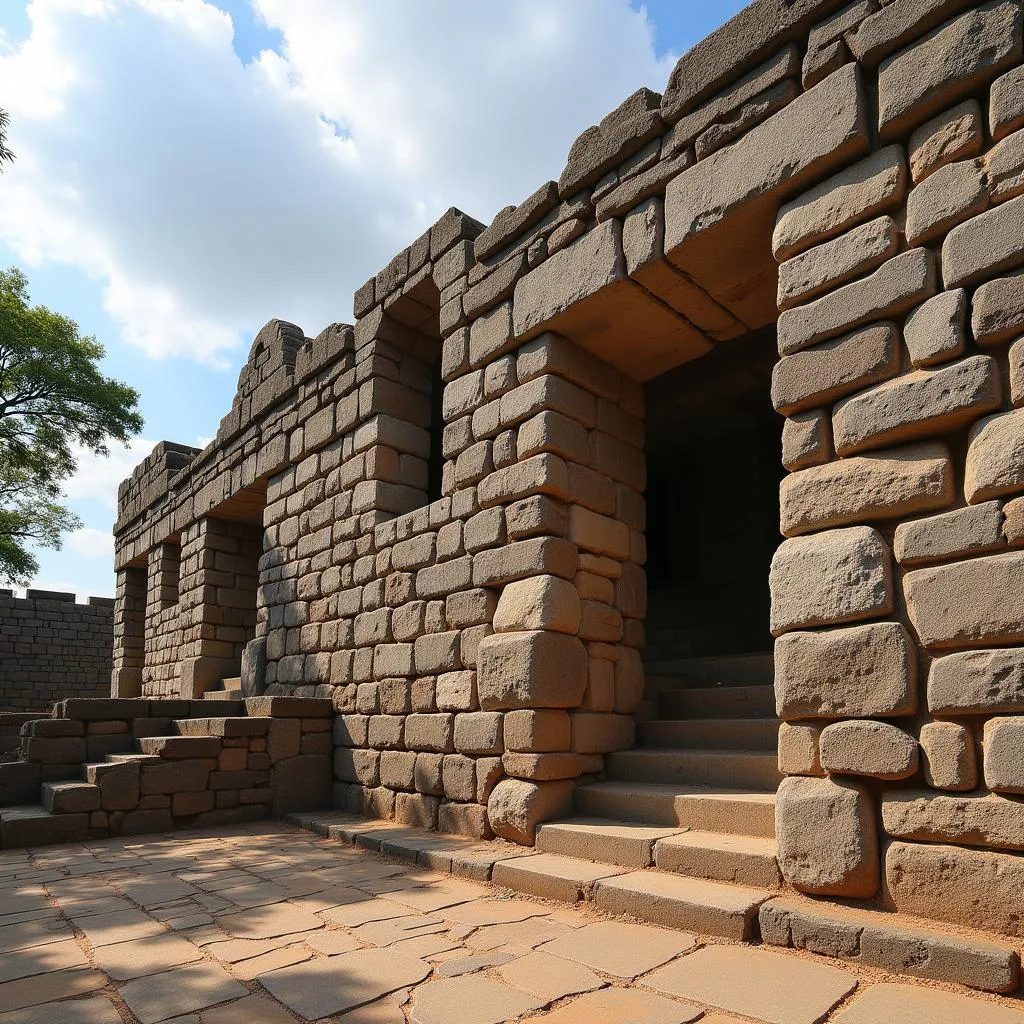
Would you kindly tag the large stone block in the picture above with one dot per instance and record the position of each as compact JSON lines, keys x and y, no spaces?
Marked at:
{"x":814,"y":134}
{"x":830,"y":578}
{"x":516,"y":807}
{"x":974,"y":603}
{"x":995,"y":457}
{"x":862,"y":672}
{"x":798,"y":749}
{"x":965,"y":887}
{"x":535,"y":669}
{"x":974,"y":530}
{"x":997,"y":310}
{"x":806,"y":439}
{"x":867,"y":488}
{"x":948,"y":756}
{"x":949,"y":197}
{"x":540,"y":602}
{"x":875,"y":749}
{"x":935,"y":332}
{"x":920,"y":404}
{"x":954,"y":135}
{"x":819,"y":375}
{"x":1004,"y":755}
{"x":984,"y":246}
{"x":926,"y":817}
{"x":828,"y":840}
{"x":950,"y":62}
{"x":977,"y":682}
{"x":853,"y":195}
{"x":896,"y":287}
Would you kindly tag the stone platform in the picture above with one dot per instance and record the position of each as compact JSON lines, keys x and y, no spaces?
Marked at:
{"x":267,"y":923}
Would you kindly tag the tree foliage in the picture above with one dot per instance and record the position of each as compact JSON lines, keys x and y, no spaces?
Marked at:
{"x":6,"y":156}
{"x":54,"y":404}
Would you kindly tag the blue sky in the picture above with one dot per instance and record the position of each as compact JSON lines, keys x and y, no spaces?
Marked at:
{"x":183,"y":177}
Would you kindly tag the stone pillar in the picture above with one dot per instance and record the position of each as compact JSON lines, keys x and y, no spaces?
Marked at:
{"x":163,"y":636}
{"x":129,"y":632}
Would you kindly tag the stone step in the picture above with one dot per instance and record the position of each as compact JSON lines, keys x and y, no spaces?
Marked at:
{"x":893,"y":942}
{"x":629,"y":844}
{"x":745,"y":860}
{"x":711,"y":734}
{"x":175,"y":747}
{"x":734,"y":769}
{"x":141,"y":758}
{"x":716,"y":702}
{"x":226,"y":726}
{"x":232,"y":693}
{"x":70,"y":797}
{"x":552,"y":877}
{"x":32,"y":825}
{"x":19,"y":783}
{"x":736,"y":812}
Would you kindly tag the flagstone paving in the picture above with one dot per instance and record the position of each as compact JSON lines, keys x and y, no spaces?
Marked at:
{"x":267,"y":924}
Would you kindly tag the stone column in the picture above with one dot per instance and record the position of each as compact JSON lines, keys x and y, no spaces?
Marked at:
{"x":129,"y":632}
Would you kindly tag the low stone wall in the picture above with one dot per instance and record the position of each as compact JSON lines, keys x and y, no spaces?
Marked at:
{"x":52,"y":648}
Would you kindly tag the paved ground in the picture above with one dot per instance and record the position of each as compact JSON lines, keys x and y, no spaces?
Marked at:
{"x":267,"y":924}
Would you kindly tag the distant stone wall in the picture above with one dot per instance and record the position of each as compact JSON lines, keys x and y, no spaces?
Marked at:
{"x":52,"y":648}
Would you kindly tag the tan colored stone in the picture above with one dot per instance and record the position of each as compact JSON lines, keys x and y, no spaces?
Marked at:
{"x":516,"y":807}
{"x":798,"y":749}
{"x":837,"y":261}
{"x":852,"y":196}
{"x":875,"y":749}
{"x":830,"y":578}
{"x":935,"y":332}
{"x":806,"y":439}
{"x":984,"y":246}
{"x":819,"y":375}
{"x":973,"y":888}
{"x":903,"y":1004}
{"x":948,"y":756}
{"x":1004,"y":167}
{"x":474,"y":999}
{"x":535,"y":669}
{"x":179,"y":991}
{"x":997,"y":310}
{"x":950,"y":196}
{"x":977,"y":682}
{"x":768,"y":986}
{"x":995,"y":457}
{"x":976,"y":529}
{"x":955,"y":134}
{"x":125,"y":960}
{"x":549,"y":977}
{"x":621,"y":949}
{"x":885,"y":485}
{"x":987,"y":820}
{"x":625,"y":1006}
{"x":1004,"y":755}
{"x":828,"y":843}
{"x":974,"y":603}
{"x":540,"y":602}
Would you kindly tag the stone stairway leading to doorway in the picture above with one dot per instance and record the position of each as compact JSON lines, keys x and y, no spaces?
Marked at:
{"x":681,"y":831}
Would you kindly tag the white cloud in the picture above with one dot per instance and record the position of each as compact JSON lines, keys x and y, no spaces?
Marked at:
{"x":92,"y":543}
{"x":97,"y":478}
{"x":206,"y":196}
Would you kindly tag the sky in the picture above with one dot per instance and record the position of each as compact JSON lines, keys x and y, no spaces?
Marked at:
{"x":188,"y":169}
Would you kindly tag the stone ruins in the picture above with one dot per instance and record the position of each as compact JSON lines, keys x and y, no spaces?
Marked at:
{"x":525,"y":532}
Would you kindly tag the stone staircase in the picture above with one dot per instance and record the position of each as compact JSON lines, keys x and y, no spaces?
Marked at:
{"x":681,"y":831}
{"x":225,"y":689}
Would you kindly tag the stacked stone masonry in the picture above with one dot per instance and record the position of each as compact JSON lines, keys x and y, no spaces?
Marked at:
{"x":450,"y":492}
{"x":52,"y":648}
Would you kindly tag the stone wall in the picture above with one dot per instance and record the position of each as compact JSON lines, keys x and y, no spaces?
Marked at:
{"x":52,"y":648}
{"x":848,"y":172}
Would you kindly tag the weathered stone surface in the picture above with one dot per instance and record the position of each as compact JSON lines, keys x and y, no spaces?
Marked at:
{"x":538,"y":731}
{"x":817,"y":132}
{"x":995,"y":457}
{"x":876,"y":749}
{"x":949,"y":883}
{"x":969,"y":820}
{"x":1004,"y":755}
{"x":985,"y":245}
{"x":536,"y":669}
{"x":855,"y":194}
{"x":828,"y":843}
{"x":1006,"y":104}
{"x":955,"y":134}
{"x":749,"y":115}
{"x":798,"y":749}
{"x":806,"y":439}
{"x":976,"y":529}
{"x":860,"y":672}
{"x":935,"y":331}
{"x":948,"y":756}
{"x":819,"y":375}
{"x":627,"y":129}
{"x":1013,"y":522}
{"x":513,"y":220}
{"x":950,"y":62}
{"x":886,"y":485}
{"x":1004,"y":168}
{"x":977,"y":682}
{"x":516,"y":807}
{"x":835,"y":262}
{"x":539,"y":602}
{"x":895,"y":288}
{"x":948,"y":197}
{"x":830,"y":578}
{"x":978,"y":602}
{"x":997,"y":310}
{"x":917,"y":405}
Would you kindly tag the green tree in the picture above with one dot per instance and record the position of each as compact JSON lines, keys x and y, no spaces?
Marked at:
{"x":54,"y":403}
{"x":5,"y":154}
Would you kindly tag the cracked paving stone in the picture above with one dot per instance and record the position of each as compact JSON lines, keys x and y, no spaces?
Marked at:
{"x":620,"y":949}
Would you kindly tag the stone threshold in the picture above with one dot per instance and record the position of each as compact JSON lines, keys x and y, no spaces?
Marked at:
{"x":902,"y":945}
